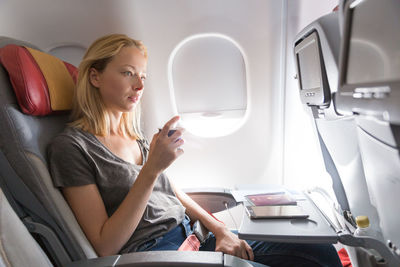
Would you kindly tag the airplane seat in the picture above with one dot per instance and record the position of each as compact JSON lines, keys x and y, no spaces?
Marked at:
{"x":316,"y":51}
{"x":18,"y":248}
{"x":24,"y":138}
{"x":369,"y":88}
{"x":35,"y":95}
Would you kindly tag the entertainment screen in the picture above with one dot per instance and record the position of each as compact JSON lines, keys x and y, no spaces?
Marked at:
{"x":369,"y":77}
{"x":314,"y":90}
{"x":374,"y":43}
{"x":309,"y":66}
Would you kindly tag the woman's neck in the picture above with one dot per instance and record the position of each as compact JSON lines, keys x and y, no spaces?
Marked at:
{"x":115,"y":120}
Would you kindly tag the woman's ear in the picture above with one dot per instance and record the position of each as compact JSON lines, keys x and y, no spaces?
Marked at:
{"x":94,"y":77}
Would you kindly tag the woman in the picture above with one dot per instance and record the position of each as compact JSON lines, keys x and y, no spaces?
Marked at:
{"x":114,"y":182}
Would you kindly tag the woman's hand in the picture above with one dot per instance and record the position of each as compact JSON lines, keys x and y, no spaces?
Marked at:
{"x":165,"y":149}
{"x":228,"y":242}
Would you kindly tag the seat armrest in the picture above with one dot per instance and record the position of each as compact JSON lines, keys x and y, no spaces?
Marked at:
{"x":102,"y":261}
{"x":172,"y":258}
{"x":232,"y":261}
{"x":166,"y":258}
{"x":157,"y":259}
{"x":212,"y":199}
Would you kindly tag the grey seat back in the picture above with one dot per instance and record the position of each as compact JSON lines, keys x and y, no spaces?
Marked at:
{"x":318,"y":70}
{"x":369,"y":87}
{"x":17,"y":247}
{"x":23,"y":141}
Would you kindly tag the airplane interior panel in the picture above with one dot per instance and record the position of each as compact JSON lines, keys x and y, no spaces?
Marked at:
{"x":143,"y":132}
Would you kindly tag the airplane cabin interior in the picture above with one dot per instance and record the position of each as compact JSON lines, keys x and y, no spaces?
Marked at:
{"x":292,"y":101}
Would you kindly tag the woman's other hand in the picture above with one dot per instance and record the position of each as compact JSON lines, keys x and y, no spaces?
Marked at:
{"x":228,"y":242}
{"x":165,"y":149}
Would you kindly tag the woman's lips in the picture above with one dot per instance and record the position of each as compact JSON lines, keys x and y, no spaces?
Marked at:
{"x":134,"y":98}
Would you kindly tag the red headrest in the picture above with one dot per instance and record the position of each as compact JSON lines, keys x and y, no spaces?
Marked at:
{"x":42,"y":83}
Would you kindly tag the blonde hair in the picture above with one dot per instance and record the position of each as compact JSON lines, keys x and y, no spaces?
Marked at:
{"x":88,"y":110}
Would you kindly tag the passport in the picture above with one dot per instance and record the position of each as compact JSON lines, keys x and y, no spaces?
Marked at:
{"x":271,"y":199}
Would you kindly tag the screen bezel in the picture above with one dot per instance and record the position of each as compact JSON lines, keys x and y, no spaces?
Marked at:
{"x":356,"y":98}
{"x":316,"y":96}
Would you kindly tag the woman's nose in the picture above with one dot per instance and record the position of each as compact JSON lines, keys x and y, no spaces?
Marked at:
{"x":138,"y":84}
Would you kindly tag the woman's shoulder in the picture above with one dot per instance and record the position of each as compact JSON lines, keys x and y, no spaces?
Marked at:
{"x":71,"y":136}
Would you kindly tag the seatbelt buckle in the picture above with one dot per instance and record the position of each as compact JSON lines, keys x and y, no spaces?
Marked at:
{"x":200,"y":231}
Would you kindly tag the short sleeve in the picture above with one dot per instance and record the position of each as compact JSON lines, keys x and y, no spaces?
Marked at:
{"x":68,"y":163}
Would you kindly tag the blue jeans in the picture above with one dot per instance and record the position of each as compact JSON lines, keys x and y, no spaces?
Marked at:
{"x":268,"y":253}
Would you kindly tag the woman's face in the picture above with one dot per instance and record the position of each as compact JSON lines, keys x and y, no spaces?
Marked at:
{"x":122,"y":81}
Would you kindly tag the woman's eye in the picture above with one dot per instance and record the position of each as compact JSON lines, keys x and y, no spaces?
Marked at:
{"x":127,"y":73}
{"x":143,"y":78}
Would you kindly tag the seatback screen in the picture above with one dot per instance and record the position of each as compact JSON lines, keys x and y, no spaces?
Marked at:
{"x":369,"y":79}
{"x":314,"y":90}
{"x":374,"y":45}
{"x":309,"y":66}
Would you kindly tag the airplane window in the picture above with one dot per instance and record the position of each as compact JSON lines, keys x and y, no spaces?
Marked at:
{"x":212,"y":100}
{"x":69,"y":52}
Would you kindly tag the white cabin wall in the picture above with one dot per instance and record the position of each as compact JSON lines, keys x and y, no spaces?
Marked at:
{"x":252,"y":154}
{"x":303,"y":163}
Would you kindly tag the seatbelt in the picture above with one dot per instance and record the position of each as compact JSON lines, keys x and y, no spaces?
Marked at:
{"x":201,"y":233}
{"x":331,"y":169}
{"x":336,"y":181}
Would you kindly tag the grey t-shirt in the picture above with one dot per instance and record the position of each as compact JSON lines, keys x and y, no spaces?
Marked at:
{"x":78,"y":158}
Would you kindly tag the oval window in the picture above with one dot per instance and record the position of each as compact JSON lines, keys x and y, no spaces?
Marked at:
{"x":208,"y":84}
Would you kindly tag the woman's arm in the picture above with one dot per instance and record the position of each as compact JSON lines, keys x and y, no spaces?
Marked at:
{"x":109,"y":234}
{"x":226,"y":241}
